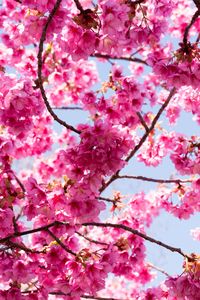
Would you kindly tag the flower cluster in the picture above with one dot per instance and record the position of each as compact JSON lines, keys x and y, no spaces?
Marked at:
{"x":68,"y":141}
{"x":186,"y":155}
{"x":18,"y":106}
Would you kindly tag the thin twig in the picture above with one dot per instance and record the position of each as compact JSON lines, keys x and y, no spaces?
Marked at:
{"x":143,"y":178}
{"x":86,"y":296}
{"x":188,"y":27}
{"x":143,"y":139}
{"x":15,"y":224}
{"x":11,"y":244}
{"x":119,"y":226}
{"x":68,"y":107}
{"x":91,"y":240}
{"x":40,"y":65}
{"x":127,"y":58}
{"x":138,"y":233}
{"x":3,"y":249}
{"x":18,"y":181}
{"x":158,"y":269}
{"x":79,"y":6}
{"x":101,"y":298}
{"x":26,"y":232}
{"x":106,"y":199}
{"x":142,"y":121}
{"x":59,"y":242}
{"x":197,"y":3}
{"x":198,"y":39}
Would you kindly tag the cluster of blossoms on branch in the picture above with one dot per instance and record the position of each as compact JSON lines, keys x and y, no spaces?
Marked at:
{"x":65,"y":232}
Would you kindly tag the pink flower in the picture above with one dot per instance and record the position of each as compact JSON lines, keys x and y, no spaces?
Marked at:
{"x":184,"y":287}
{"x":15,"y":113}
{"x":6,"y":221}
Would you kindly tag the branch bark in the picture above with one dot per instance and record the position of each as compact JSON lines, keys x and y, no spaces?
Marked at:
{"x":143,"y":121}
{"x":111,"y":225}
{"x":31,"y":231}
{"x":138,"y":233}
{"x":143,"y":178}
{"x":91,"y":240}
{"x":87,"y":296}
{"x":188,"y":27}
{"x":127,"y":58}
{"x":40,"y":65}
{"x":60,"y":242}
{"x":68,"y":107}
{"x":79,"y":6}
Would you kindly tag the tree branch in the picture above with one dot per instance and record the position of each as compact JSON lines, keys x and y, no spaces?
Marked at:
{"x":142,"y":121}
{"x":119,"y":226}
{"x":68,"y":107}
{"x":158,"y":269}
{"x":79,"y":6}
{"x":143,"y":139}
{"x":11,"y":244}
{"x":106,"y":199}
{"x":100,"y":298}
{"x":59,"y":242}
{"x":143,"y":178}
{"x":138,"y":233}
{"x":91,"y":240}
{"x":86,"y":296}
{"x":188,"y":27}
{"x":127,"y":58}
{"x":22,"y":233}
{"x":17,"y":180}
{"x":59,"y":293}
{"x":40,"y":65}
{"x":197,"y":3}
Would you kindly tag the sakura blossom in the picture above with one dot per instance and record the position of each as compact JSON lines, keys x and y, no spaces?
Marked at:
{"x":92,"y":150}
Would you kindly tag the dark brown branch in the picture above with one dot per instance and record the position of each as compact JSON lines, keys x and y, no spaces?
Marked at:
{"x":22,"y":233}
{"x":197,"y":3}
{"x":143,"y":139}
{"x":59,"y":242}
{"x":127,"y":58}
{"x":119,"y":226}
{"x":85,"y":296}
{"x":198,"y":39}
{"x":143,"y":122}
{"x":79,"y":6}
{"x":18,"y":181}
{"x":143,"y":178}
{"x":107,"y":199}
{"x":100,"y":298}
{"x":40,"y":65}
{"x":91,"y":240}
{"x":15,"y":224}
{"x":4,"y":249}
{"x":68,"y":107}
{"x":59,"y":293}
{"x":136,"y":2}
{"x":138,"y":233}
{"x":11,"y":244}
{"x":188,"y":27}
